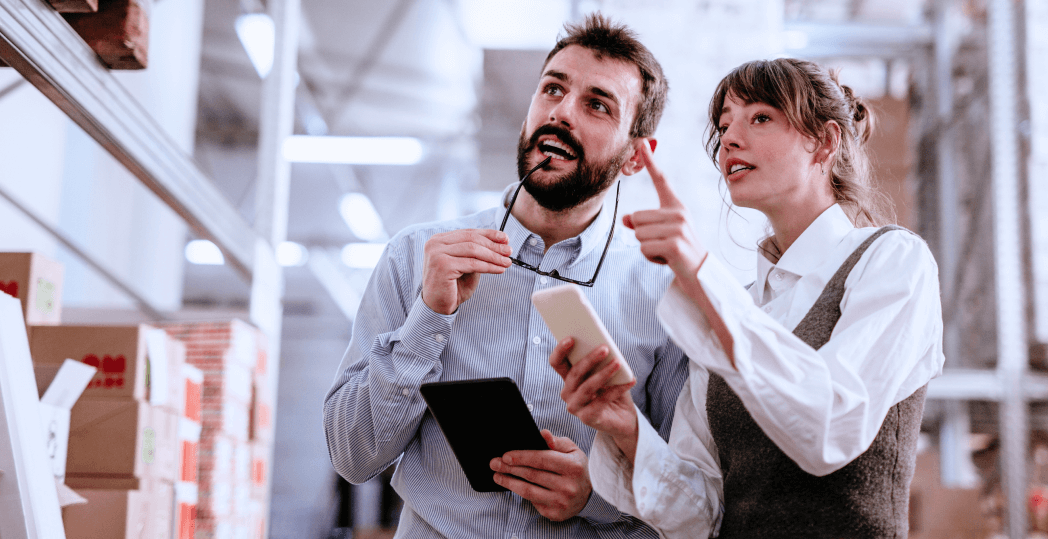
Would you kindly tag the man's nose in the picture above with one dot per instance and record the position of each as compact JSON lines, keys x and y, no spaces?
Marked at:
{"x":564,"y":112}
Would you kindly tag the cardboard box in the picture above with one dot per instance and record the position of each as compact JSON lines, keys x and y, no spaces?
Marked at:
{"x":133,"y":362}
{"x":119,"y":443}
{"x":118,"y":32}
{"x":189,"y":441}
{"x":260,"y":471}
{"x":36,"y":281}
{"x":192,"y":392}
{"x":261,"y":425}
{"x":185,"y":510}
{"x":147,"y":513}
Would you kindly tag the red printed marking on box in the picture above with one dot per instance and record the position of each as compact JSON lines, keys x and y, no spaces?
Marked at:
{"x":9,"y":287}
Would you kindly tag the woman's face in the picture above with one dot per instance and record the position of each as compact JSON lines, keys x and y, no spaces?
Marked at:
{"x":768,"y":165}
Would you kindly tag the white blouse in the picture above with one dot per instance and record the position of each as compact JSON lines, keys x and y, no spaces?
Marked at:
{"x":823,"y":407}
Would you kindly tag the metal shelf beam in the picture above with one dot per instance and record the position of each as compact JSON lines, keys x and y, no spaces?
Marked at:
{"x":37,"y":42}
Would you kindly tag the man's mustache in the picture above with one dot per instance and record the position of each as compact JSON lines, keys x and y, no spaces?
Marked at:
{"x":564,"y":135}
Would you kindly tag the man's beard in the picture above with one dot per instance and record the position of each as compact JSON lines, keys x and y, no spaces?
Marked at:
{"x":572,"y":188}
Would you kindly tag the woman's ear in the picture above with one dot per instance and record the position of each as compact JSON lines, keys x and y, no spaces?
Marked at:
{"x":635,"y":163}
{"x":831,"y":142}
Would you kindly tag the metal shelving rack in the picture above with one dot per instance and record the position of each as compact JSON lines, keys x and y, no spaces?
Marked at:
{"x":37,"y":42}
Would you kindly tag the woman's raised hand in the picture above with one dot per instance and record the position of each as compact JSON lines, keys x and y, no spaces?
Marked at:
{"x":608,"y":409}
{"x":665,"y":234}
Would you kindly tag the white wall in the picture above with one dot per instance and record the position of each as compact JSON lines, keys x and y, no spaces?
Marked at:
{"x":108,"y":211}
{"x":32,"y":156}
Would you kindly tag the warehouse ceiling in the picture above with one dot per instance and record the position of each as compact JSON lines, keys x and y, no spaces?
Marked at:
{"x":407,"y":68}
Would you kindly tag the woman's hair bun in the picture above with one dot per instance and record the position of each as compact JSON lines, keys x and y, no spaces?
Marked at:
{"x":861,"y":115}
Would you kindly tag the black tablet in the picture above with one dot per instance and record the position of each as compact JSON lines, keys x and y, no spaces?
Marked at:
{"x":482,"y":419}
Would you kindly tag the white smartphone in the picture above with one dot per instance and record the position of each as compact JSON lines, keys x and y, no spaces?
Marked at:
{"x":568,"y":313}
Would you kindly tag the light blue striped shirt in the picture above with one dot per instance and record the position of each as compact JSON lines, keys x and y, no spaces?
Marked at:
{"x":375,"y":416}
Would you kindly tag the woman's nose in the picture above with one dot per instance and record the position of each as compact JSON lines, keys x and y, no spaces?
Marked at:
{"x":730,"y":138}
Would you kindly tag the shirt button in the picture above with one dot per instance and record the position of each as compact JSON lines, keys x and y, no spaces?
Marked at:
{"x":514,"y":537}
{"x":778,"y":276}
{"x":536,"y":340}
{"x":533,"y":242}
{"x":643,"y":491}
{"x":531,"y":407}
{"x":543,"y":280}
{"x":438,"y":337}
{"x":406,"y":392}
{"x":767,"y":308}
{"x":640,"y":507}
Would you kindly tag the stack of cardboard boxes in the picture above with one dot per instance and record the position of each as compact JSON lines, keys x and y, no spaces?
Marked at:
{"x":236,"y":439}
{"x":125,"y":452}
{"x":172,"y":437}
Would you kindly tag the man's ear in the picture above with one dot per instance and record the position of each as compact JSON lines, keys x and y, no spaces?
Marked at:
{"x":635,"y":163}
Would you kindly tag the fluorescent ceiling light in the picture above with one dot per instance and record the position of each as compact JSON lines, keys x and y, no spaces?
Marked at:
{"x":514,"y":24}
{"x":258,"y":35}
{"x":362,"y":255}
{"x":353,"y":150}
{"x":204,"y":252}
{"x":290,"y":253}
{"x":361,"y":217}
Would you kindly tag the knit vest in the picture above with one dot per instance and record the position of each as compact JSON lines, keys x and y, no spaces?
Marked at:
{"x":766,"y":495}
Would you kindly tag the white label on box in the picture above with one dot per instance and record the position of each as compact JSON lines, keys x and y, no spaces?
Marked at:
{"x":65,"y":388}
{"x":68,"y":384}
{"x":156,"y":354}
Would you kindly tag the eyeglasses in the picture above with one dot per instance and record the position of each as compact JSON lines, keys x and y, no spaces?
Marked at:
{"x":554,"y":273}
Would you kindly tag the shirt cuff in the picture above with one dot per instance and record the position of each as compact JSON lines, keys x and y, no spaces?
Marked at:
{"x":651,"y":452}
{"x":611,"y":474}
{"x":425,"y":333}
{"x":599,"y":511}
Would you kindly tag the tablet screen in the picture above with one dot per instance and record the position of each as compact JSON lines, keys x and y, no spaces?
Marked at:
{"x":481,"y":420}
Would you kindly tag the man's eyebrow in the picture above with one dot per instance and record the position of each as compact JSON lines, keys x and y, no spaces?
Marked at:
{"x":557,"y":75}
{"x":605,"y":94}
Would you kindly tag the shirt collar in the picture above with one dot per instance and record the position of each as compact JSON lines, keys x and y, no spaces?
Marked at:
{"x":816,"y":242}
{"x":594,"y":237}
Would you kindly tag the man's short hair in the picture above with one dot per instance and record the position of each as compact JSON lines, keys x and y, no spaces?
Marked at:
{"x":607,"y":39}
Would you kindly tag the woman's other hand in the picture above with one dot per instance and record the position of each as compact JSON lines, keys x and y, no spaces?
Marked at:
{"x":665,"y":234}
{"x":608,"y":409}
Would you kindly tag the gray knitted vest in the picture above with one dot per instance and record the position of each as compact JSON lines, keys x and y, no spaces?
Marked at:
{"x":767,"y":495}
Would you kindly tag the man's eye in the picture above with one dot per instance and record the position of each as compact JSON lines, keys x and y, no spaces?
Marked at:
{"x":599,"y":106}
{"x":553,"y":89}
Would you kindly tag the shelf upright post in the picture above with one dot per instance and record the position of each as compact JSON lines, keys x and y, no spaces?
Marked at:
{"x":1012,"y":346}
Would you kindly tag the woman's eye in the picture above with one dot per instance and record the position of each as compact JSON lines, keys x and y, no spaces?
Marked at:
{"x":722,"y":129}
{"x":761,"y":118}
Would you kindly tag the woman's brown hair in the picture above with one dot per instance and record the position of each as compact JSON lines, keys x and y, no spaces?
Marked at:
{"x":810,"y":96}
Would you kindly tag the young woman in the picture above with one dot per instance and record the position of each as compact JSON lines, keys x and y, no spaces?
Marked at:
{"x":802,"y":412}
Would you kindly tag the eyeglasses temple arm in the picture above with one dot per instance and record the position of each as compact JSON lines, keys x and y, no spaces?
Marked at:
{"x":524,"y":179}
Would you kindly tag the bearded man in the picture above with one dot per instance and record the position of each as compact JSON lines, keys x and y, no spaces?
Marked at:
{"x":450,"y":301}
